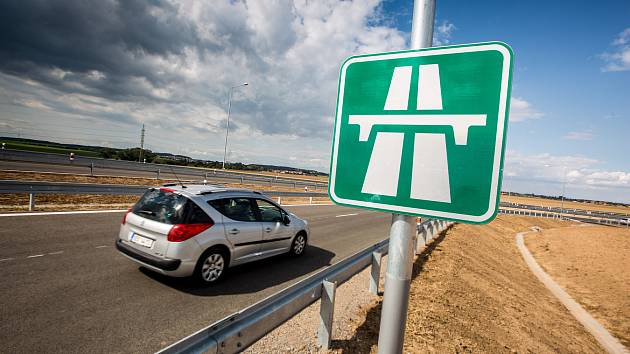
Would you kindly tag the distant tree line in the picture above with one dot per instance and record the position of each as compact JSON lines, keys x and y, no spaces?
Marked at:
{"x":133,"y":154}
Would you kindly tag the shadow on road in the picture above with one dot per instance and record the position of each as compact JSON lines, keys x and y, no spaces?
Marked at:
{"x":253,"y":277}
{"x":366,"y":335}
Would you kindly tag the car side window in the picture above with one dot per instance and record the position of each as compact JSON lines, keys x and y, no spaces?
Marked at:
{"x":196,"y":215}
{"x":268,"y":211}
{"x":239,"y":209}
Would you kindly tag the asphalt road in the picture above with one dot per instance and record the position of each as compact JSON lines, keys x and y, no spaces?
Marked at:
{"x":43,"y":167}
{"x":66,"y":289}
{"x":165,"y":173}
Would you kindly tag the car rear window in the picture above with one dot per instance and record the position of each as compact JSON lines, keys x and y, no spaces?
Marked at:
{"x":169,"y":208}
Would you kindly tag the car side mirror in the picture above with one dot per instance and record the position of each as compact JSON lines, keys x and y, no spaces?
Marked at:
{"x":285,"y":219}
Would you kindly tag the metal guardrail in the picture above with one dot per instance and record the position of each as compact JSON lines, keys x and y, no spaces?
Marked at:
{"x":606,"y":220}
{"x":33,"y":187}
{"x":93,"y":163}
{"x":572,"y":211}
{"x":242,"y":329}
{"x":39,"y":187}
{"x":36,"y":187}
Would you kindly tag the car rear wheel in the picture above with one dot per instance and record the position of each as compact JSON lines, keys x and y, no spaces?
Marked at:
{"x":298,"y":246}
{"x":212,"y":267}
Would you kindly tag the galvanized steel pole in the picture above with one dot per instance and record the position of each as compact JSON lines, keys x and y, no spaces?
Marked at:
{"x":227,"y":127}
{"x":403,"y":229}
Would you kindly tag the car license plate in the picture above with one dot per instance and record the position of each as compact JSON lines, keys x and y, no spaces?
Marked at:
{"x":140,"y":240}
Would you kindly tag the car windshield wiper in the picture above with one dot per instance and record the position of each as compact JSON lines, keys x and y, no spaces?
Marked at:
{"x":148,"y":212}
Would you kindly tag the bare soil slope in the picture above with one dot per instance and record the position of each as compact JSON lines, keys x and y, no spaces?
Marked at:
{"x":475,"y":294}
{"x":592,"y":264}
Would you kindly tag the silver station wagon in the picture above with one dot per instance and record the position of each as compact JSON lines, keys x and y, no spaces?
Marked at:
{"x":201,"y":230}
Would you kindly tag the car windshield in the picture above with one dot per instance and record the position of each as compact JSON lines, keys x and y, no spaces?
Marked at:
{"x":162,"y":206}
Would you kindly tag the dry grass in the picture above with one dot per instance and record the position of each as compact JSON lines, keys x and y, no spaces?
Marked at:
{"x":473,"y":293}
{"x":59,"y":177}
{"x":54,"y":202}
{"x":592,"y":264}
{"x":285,"y":175}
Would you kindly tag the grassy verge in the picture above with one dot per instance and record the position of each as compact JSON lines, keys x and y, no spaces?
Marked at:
{"x":49,"y":149}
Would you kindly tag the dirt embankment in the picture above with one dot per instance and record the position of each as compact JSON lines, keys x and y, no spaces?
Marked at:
{"x":472,"y":292}
{"x":592,"y":264}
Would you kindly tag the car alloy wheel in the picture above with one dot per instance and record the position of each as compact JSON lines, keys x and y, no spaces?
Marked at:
{"x":299,"y":243}
{"x":213,"y":267}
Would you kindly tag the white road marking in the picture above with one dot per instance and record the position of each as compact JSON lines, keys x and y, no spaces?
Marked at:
{"x":36,"y":255}
{"x":58,"y":252}
{"x":66,"y":212}
{"x":101,"y":246}
{"x":342,"y":215}
{"x":314,"y":204}
{"x":118,"y":211}
{"x":6,"y":259}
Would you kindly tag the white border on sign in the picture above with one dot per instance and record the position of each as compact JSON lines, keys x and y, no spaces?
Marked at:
{"x":497,"y":148}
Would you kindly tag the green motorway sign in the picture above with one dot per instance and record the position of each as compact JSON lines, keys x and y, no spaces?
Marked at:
{"x":422,"y":132}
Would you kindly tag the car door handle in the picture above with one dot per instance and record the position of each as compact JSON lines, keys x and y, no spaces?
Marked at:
{"x":234,"y":231}
{"x":267,"y":229}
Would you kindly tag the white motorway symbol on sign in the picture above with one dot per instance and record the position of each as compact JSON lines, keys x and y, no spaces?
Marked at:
{"x":449,"y":164}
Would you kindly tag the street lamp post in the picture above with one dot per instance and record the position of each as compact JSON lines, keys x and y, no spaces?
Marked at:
{"x":227,"y":128}
{"x":564,"y":183}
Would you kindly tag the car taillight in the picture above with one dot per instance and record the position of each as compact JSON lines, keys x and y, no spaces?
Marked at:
{"x":182,"y":232}
{"x":124,"y":220}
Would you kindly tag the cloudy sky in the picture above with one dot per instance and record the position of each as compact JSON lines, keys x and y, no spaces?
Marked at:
{"x":94,"y":72}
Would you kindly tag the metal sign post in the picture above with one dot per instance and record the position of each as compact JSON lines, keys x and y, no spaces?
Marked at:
{"x":420,"y":132}
{"x":403,"y":230}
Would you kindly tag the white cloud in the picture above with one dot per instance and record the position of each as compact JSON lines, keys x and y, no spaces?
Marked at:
{"x":619,"y":58}
{"x":583,"y":136}
{"x":443,"y":32}
{"x":582,"y":177}
{"x":521,"y":110}
{"x":289,"y":51}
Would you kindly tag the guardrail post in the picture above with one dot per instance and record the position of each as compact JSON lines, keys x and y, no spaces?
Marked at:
{"x":241,"y":180}
{"x":428,"y":230}
{"x":92,"y":169}
{"x":310,"y":200}
{"x":375,"y":272}
{"x":31,"y":201}
{"x":158,"y":174}
{"x":420,"y":240}
{"x":326,"y":312}
{"x":278,"y":200}
{"x":294,"y":185}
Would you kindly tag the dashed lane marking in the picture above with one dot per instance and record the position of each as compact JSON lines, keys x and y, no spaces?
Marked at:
{"x":6,"y":259}
{"x":58,"y":252}
{"x":65,"y":212}
{"x":36,"y":255}
{"x":342,"y":215}
{"x":101,"y":246}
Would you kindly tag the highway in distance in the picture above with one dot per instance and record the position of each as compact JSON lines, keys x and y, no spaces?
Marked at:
{"x":65,"y":288}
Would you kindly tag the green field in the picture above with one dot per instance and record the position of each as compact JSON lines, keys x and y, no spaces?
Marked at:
{"x":50,"y":149}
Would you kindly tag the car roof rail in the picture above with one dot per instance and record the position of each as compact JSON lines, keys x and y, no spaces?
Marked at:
{"x":228,"y":190}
